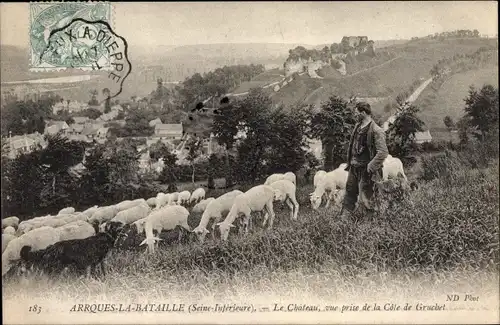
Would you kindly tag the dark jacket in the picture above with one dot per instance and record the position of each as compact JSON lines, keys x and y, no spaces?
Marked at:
{"x":377,"y":147}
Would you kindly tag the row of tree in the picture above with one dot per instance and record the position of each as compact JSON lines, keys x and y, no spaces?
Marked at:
{"x":460,"y":33}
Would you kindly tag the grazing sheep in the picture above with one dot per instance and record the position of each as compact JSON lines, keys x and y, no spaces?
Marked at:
{"x":202,"y":205}
{"x":10,"y":221}
{"x":151,"y":202}
{"x":215,"y":210}
{"x":258,"y":198}
{"x":198,"y":195}
{"x":6,"y":238}
{"x":90,"y":211}
{"x":167,"y":218}
{"x":80,"y":253}
{"x":67,"y":210}
{"x":173,"y":197}
{"x":392,"y":167}
{"x":9,"y":230}
{"x":38,"y":239}
{"x":130,"y":233}
{"x":162,"y":199}
{"x":319,"y":174}
{"x":103,"y":214}
{"x":291,"y":177}
{"x":183,"y":197}
{"x":336,"y":179}
{"x":128,"y":216}
{"x":277,"y":177}
{"x":128,"y":204}
{"x":284,"y":191}
{"x":76,"y":230}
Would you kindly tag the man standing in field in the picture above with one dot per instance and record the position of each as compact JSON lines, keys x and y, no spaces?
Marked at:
{"x":365,"y":157}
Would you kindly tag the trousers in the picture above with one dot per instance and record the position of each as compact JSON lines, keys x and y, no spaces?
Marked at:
{"x":359,"y":183}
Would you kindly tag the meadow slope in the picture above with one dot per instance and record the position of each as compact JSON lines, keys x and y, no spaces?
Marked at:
{"x":446,"y":240}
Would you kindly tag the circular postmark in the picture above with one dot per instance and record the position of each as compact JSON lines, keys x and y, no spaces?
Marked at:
{"x":90,"y":45}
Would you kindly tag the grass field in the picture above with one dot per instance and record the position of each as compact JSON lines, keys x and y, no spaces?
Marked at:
{"x":449,"y":99}
{"x":445,"y":241}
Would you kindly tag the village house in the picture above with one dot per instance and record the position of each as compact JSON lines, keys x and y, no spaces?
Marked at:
{"x":53,"y":127}
{"x":26,"y":143}
{"x":102,"y":133}
{"x":422,"y":137}
{"x":74,"y":129}
{"x":155,"y":122}
{"x":80,"y":119}
{"x":168,"y":131}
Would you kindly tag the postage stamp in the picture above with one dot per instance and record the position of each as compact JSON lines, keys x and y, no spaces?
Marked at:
{"x":48,"y":18}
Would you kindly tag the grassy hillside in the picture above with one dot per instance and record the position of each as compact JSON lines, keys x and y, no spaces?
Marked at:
{"x":449,"y":99}
{"x":415,"y":60}
{"x":445,"y":240}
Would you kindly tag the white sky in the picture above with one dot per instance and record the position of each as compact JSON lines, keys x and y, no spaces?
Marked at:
{"x":155,"y":24}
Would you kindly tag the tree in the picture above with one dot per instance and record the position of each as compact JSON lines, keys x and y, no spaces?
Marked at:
{"x":59,"y":155}
{"x":449,"y":123}
{"x":91,"y":113}
{"x":107,"y":101}
{"x":225,"y":129}
{"x":287,"y":139}
{"x":333,"y":125}
{"x":256,"y":116}
{"x":195,"y":145}
{"x":401,"y":132}
{"x":158,"y":150}
{"x":481,"y":110}
{"x":93,"y":100}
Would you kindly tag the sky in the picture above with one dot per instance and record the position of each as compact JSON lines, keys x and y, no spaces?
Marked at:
{"x":182,"y":23}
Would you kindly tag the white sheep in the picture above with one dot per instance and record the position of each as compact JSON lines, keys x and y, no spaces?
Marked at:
{"x":67,"y":210}
{"x":331,"y":182}
{"x":151,"y":201}
{"x":140,"y":224}
{"x":167,"y":218}
{"x":215,"y":210}
{"x":202,"y":205}
{"x":38,"y":239}
{"x":183,"y":197}
{"x":277,"y":177}
{"x":132,"y":214}
{"x":285,"y":191}
{"x":173,"y":197}
{"x":258,"y":198}
{"x":161,"y":200}
{"x":128,"y":204}
{"x":90,"y":211}
{"x":103,"y":214}
{"x":198,"y":195}
{"x":9,"y":230}
{"x":6,"y":239}
{"x":392,"y":167}
{"x":291,"y":177}
{"x":76,"y":230}
{"x":10,"y":221}
{"x":319,"y":174}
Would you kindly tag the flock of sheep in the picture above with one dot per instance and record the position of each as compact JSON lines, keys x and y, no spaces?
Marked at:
{"x":83,"y":239}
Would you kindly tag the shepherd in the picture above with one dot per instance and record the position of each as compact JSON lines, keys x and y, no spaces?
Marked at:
{"x":365,"y":157}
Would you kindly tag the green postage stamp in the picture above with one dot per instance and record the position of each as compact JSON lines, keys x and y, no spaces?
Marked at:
{"x":82,"y":49}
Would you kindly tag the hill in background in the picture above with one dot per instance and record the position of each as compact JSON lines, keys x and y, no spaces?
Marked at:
{"x":412,"y":62}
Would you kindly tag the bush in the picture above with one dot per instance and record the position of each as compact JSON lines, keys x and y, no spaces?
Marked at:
{"x":440,"y":165}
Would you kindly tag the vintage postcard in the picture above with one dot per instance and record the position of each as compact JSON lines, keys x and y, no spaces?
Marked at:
{"x":250,"y":162}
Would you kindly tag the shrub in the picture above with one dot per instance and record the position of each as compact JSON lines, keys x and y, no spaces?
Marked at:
{"x":440,"y":165}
